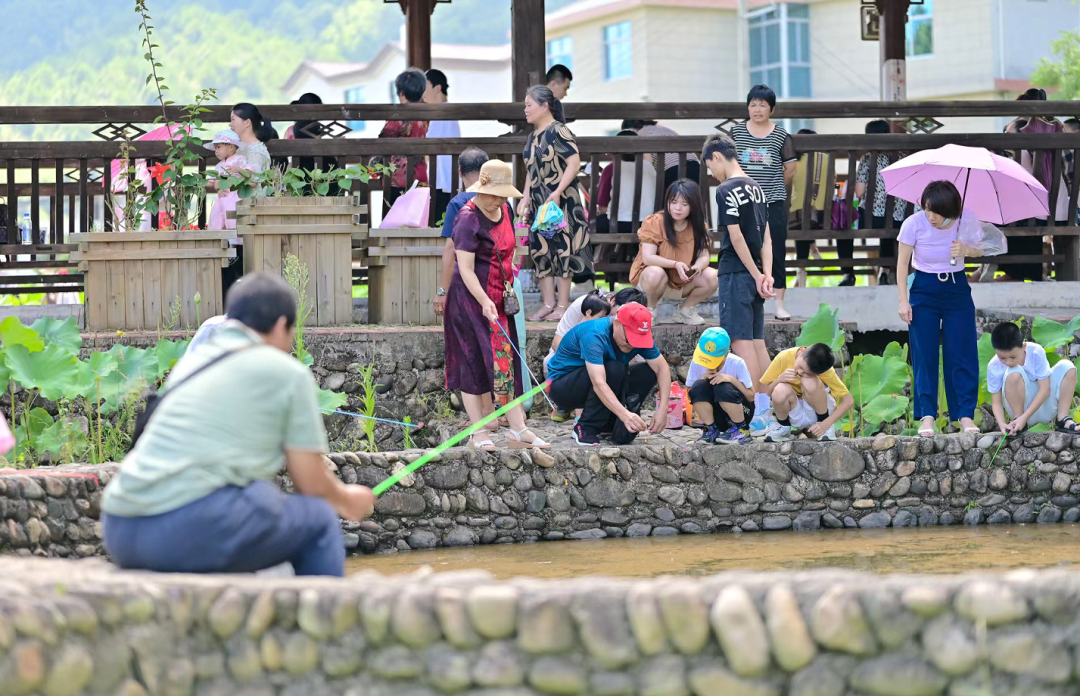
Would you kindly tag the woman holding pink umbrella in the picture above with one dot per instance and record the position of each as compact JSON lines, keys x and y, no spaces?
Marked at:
{"x":938,"y":306}
{"x":957,"y":188}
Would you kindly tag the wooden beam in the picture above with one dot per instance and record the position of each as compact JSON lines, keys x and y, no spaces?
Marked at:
{"x":21,"y":115}
{"x":527,"y":46}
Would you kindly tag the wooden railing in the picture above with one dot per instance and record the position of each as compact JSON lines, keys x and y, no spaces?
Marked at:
{"x":83,"y":205}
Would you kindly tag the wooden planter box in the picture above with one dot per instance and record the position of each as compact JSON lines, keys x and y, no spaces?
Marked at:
{"x":133,"y":278}
{"x":318,"y":231}
{"x":404,"y":266}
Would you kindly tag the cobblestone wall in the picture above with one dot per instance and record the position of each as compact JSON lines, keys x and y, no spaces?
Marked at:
{"x":70,"y":628}
{"x":467,"y":497}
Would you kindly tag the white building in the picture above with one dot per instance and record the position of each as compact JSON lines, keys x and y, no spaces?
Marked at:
{"x":475,"y":73}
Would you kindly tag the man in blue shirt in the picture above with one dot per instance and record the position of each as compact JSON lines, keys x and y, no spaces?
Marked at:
{"x":469,"y":163}
{"x":591,"y":371}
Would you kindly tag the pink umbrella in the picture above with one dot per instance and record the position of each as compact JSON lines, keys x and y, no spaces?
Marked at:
{"x":996,"y":189}
{"x":166,"y":132}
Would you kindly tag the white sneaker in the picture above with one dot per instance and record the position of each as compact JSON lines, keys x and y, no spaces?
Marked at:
{"x":759,"y":425}
{"x":829,"y":435}
{"x":778,"y":433}
{"x":690,"y":317}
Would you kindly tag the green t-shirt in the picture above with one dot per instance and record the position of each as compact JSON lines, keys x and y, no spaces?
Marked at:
{"x":229,"y":426}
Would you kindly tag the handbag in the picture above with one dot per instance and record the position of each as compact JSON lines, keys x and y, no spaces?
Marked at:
{"x":511,"y":306}
{"x":409,"y":210}
{"x":155,"y":399}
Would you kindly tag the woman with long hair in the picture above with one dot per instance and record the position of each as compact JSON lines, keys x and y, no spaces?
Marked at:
{"x":675,"y":251}
{"x":254,"y":131}
{"x":551,"y":165}
{"x":307,"y":130}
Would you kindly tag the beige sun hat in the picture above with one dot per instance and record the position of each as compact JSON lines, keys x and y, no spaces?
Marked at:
{"x":496,"y":179}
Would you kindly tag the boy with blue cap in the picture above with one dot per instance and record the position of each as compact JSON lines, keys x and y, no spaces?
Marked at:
{"x":721,"y":390}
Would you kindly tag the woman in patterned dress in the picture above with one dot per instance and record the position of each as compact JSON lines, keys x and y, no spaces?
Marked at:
{"x":480,"y":359}
{"x":551,"y":165}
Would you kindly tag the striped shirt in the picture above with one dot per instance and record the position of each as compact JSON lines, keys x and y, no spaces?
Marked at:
{"x":763,"y":159}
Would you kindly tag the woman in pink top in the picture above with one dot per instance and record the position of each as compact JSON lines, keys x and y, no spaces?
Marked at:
{"x":940,"y":311}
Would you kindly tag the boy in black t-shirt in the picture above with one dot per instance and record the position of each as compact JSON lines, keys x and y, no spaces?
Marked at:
{"x":745,"y":267}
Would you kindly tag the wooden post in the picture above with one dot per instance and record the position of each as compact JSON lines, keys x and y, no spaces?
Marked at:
{"x":418,"y":32}
{"x":527,"y":53}
{"x":893,"y":14}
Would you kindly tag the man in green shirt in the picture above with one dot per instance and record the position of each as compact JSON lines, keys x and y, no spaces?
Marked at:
{"x":195,"y":494}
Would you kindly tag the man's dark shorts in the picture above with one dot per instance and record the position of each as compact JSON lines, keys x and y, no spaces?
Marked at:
{"x":742,"y":309}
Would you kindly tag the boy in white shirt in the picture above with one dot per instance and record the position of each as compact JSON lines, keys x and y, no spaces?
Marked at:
{"x":1033,"y":391}
{"x":721,"y":390}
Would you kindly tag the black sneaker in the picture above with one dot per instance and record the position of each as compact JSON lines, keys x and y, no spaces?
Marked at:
{"x":585,"y":437}
{"x":848,"y":280}
{"x":710,"y":434}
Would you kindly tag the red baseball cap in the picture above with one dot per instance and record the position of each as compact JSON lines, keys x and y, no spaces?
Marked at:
{"x":637,"y":321}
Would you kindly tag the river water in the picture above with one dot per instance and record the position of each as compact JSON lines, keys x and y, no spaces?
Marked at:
{"x":903,"y":550}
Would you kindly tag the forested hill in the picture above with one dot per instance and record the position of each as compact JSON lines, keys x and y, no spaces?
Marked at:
{"x":83,"y":52}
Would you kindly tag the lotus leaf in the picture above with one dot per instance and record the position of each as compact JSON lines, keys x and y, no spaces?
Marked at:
{"x":59,"y":435}
{"x":331,"y":401}
{"x":13,"y":333}
{"x":1051,"y":335}
{"x":823,"y":327}
{"x":97,"y":366}
{"x":63,"y":333}
{"x":31,"y":426}
{"x":136,"y":370}
{"x":53,"y":371}
{"x":168,"y":353}
{"x":884,"y":408}
{"x":895,"y":350}
{"x":871,"y":376}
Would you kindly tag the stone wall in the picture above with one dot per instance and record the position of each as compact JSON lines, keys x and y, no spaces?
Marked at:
{"x":466,"y":497}
{"x":70,"y":628}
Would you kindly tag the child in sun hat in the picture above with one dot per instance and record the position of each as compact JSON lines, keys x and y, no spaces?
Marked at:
{"x":226,"y":145}
{"x":721,"y":389}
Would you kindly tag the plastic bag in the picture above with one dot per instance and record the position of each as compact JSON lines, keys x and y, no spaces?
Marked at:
{"x":7,"y":440}
{"x":993,"y":241}
{"x":409,"y":210}
{"x":549,"y":220}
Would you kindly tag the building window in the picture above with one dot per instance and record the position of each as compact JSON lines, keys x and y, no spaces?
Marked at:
{"x":618,"y":51}
{"x":780,"y":49}
{"x":560,"y":51}
{"x":355,"y":96}
{"x":919,"y":31}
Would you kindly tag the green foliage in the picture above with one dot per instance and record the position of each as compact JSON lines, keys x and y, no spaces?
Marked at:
{"x":296,"y":182}
{"x":1063,"y":71}
{"x":107,"y":386}
{"x":883,"y":408}
{"x":876,"y":384}
{"x":823,"y":327}
{"x":367,"y":404}
{"x":296,"y":275}
{"x":13,"y":333}
{"x":1052,"y":335}
{"x":63,"y":333}
{"x":330,"y":400}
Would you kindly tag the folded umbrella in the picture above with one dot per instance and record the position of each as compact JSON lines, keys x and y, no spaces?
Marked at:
{"x":995,"y":188}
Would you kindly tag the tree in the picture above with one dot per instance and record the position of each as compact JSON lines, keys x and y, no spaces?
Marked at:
{"x":1063,"y":71}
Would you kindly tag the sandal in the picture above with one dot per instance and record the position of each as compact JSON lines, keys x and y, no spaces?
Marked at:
{"x":1067,"y":425}
{"x":493,"y":426}
{"x":786,"y":316}
{"x":517,"y":440}
{"x":925,"y":431}
{"x":482,"y":442}
{"x":542,"y":313}
{"x":558,"y":313}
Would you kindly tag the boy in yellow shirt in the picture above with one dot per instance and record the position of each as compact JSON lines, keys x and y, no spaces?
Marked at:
{"x":804,"y":389}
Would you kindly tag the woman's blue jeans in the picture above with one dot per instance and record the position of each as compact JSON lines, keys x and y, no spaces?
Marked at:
{"x":232,"y":530}
{"x":942,"y":314}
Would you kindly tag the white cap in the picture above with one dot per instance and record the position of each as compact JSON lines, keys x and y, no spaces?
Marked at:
{"x":225,"y":137}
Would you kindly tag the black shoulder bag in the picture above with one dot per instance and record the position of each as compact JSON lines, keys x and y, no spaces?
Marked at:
{"x":155,"y":399}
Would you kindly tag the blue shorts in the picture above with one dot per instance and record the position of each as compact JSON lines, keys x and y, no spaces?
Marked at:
{"x":232,"y":530}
